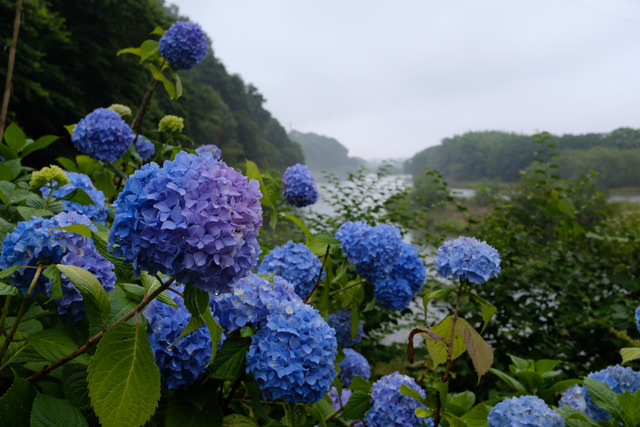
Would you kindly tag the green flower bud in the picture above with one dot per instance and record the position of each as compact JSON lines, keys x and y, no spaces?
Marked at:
{"x":123,"y":110}
{"x":171,"y":124}
{"x":47,"y":175}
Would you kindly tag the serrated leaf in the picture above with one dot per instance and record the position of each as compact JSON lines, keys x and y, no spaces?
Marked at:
{"x":629,"y":353}
{"x":15,"y":137}
{"x":74,"y":384}
{"x":409,"y":391}
{"x":10,"y":270}
{"x":360,"y":384}
{"x":488,"y":310}
{"x":229,"y":363}
{"x":38,"y":144}
{"x":480,"y":352}
{"x":124,"y":380}
{"x":49,"y":411}
{"x":91,"y":290}
{"x":101,"y":243}
{"x":27,"y":213}
{"x":575,"y":418}
{"x":631,"y":406}
{"x":10,"y":169}
{"x":197,"y":302}
{"x":512,"y":382}
{"x":604,"y":397}
{"x":78,"y":195}
{"x":8,"y":289}
{"x":6,"y":188}
{"x":35,"y":201}
{"x":356,"y":406}
{"x":237,"y":420}
{"x":438,"y":349}
{"x":15,"y":404}
{"x":318,"y":244}
{"x":150,"y":284}
{"x":120,"y":305}
{"x":439,"y":294}
{"x":53,"y":345}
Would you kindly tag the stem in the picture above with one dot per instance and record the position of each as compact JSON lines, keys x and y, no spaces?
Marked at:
{"x":5,"y":311}
{"x":21,"y":311}
{"x":326,"y":254}
{"x":96,"y":338}
{"x":353,"y":285}
{"x":11,"y":63}
{"x":136,"y":124}
{"x":48,"y":202}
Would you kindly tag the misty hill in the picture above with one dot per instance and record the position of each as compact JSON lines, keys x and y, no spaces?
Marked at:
{"x":325,"y":154}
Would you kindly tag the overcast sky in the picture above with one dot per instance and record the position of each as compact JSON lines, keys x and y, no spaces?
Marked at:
{"x":390,"y":78}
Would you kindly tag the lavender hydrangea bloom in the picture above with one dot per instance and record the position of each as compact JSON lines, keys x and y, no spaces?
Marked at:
{"x":292,"y":354}
{"x":619,"y":379}
{"x":96,"y":212}
{"x":467,"y":258}
{"x":211,"y":148}
{"x":524,"y":411}
{"x":340,"y":321}
{"x":574,"y":398}
{"x":145,"y":148}
{"x":296,"y":263}
{"x":339,"y":401}
{"x":353,"y":364}
{"x":35,"y":240}
{"x":250,"y":301}
{"x":390,"y":408}
{"x":103,"y":135}
{"x":299,"y":188}
{"x":194,"y":218}
{"x":183,"y":45}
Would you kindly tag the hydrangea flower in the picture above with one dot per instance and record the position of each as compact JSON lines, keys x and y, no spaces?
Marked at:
{"x":49,"y":175}
{"x":102,"y":135}
{"x":340,"y":401}
{"x":171,"y":124}
{"x":183,"y":45}
{"x":35,"y":240}
{"x":353,"y":364}
{"x":184,"y":362}
{"x":574,"y":398}
{"x":467,"y":258}
{"x":340,"y":321}
{"x":393,"y":293}
{"x":250,"y":301}
{"x":299,"y":187}
{"x":212,"y":148}
{"x":390,"y":408}
{"x":98,"y":211}
{"x":145,"y":148}
{"x":296,"y":263}
{"x":524,"y":411}
{"x":638,"y":318}
{"x":619,"y":379}
{"x":292,"y":354}
{"x":407,"y":276}
{"x":194,"y":218}
{"x":123,"y":110}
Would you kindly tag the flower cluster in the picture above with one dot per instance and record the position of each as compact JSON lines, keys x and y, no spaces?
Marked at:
{"x":638,"y":318}
{"x":407,"y":276}
{"x":103,"y":135}
{"x":35,"y":241}
{"x":524,"y":411}
{"x":339,"y":401}
{"x":181,"y":363}
{"x":211,"y":148}
{"x":390,"y":408}
{"x":340,"y":321}
{"x":292,"y":354}
{"x":171,"y":124}
{"x":574,"y":398}
{"x":194,"y":218}
{"x":296,"y":263}
{"x":250,"y":301}
{"x":619,"y":379}
{"x":96,"y":212}
{"x":467,"y":258}
{"x":353,"y":364}
{"x":145,"y":148}
{"x":123,"y":110}
{"x":299,"y":188}
{"x":49,"y":175}
{"x":183,"y":45}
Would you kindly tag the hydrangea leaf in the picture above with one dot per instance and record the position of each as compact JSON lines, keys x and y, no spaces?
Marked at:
{"x":412,"y":393}
{"x":74,"y":383}
{"x":92,"y":292}
{"x":512,"y":382}
{"x":196,"y":406}
{"x":54,"y":344}
{"x":237,"y":420}
{"x":605,"y":398}
{"x":26,"y":212}
{"x":15,"y":137}
{"x":488,"y":309}
{"x":150,"y":284}
{"x":358,"y":404}
{"x":121,"y":304}
{"x":38,"y":144}
{"x":68,"y":164}
{"x":15,"y":404}
{"x":229,"y":364}
{"x":81,"y":229}
{"x":438,"y":349}
{"x":197,"y":302}
{"x":10,"y":169}
{"x":79,"y":196}
{"x":575,"y":418}
{"x":480,"y":352}
{"x":149,"y":50}
{"x":631,"y":406}
{"x":124,"y":380}
{"x":10,"y":270}
{"x":52,"y":411}
{"x":629,"y":353}
{"x":360,"y":384}
{"x":299,"y":223}
{"x":438,"y":294}
{"x":8,"y":290}
{"x":318,"y":244}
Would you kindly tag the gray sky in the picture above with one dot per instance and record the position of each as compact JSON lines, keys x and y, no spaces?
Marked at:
{"x":390,"y":78}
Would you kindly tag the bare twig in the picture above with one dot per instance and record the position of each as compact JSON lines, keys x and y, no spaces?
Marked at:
{"x":326,"y":254}
{"x":11,"y":63}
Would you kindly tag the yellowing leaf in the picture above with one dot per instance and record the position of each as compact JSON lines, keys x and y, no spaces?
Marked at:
{"x":480,"y":352}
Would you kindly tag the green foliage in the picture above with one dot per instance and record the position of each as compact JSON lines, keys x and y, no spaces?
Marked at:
{"x":49,"y":411}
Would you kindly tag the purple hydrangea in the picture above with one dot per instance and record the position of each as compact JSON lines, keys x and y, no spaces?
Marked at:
{"x":353,"y":364}
{"x":296,"y":263}
{"x":183,"y":45}
{"x":340,"y":321}
{"x":574,"y":398}
{"x":250,"y":301}
{"x":340,"y":401}
{"x":467,"y":258}
{"x":35,"y":241}
{"x":390,"y":408}
{"x":373,"y":250}
{"x":98,"y":211}
{"x":619,"y":379}
{"x":194,"y":218}
{"x":211,"y":148}
{"x":524,"y":411}
{"x":292,"y":354}
{"x":299,"y":188}
{"x":102,"y":135}
{"x":145,"y":148}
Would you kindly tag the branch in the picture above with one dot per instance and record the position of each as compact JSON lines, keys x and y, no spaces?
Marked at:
{"x":326,"y":254}
{"x":12,"y":60}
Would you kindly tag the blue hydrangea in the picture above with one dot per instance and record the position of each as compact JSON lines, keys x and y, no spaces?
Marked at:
{"x":145,"y":148}
{"x":524,"y":411}
{"x":211,"y":148}
{"x":353,"y":364}
{"x":102,"y":135}
{"x":467,"y":258}
{"x":340,"y":401}
{"x":407,"y":276}
{"x":250,"y":301}
{"x":185,"y":361}
{"x":183,"y":45}
{"x":574,"y":398}
{"x":35,"y":241}
{"x":619,"y":379}
{"x":393,"y":293}
{"x":96,"y":212}
{"x":390,"y":408}
{"x":638,"y":318}
{"x":299,"y":188}
{"x":373,"y":250}
{"x":296,"y":263}
{"x":340,"y":321}
{"x":194,"y":218}
{"x":292,"y":354}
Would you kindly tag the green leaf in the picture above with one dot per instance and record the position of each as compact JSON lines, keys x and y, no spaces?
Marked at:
{"x":197,"y":406}
{"x":79,"y":196}
{"x":575,"y":418}
{"x":158,"y":30}
{"x":604,"y":397}
{"x":631,"y":406}
{"x":53,"y":345}
{"x":93,"y":294}
{"x":10,"y":270}
{"x":358,"y":404}
{"x":438,"y":349}
{"x":87,"y":165}
{"x":197,"y":302}
{"x":38,"y":144}
{"x":301,"y":226}
{"x":10,"y":169}
{"x":229,"y":364}
{"x":360,"y":384}
{"x":15,"y":404}
{"x":26,"y":212}
{"x":237,"y":420}
{"x":488,"y":310}
{"x":124,"y":380}
{"x":409,"y":391}
{"x":149,"y":50}
{"x":6,"y":188}
{"x":132,"y":50}
{"x":318,"y":243}
{"x":49,"y":411}
{"x":15,"y":137}
{"x":104,"y":183}
{"x":8,"y":290}
{"x":120,"y":305}
{"x":566,"y":207}
{"x":629,"y":353}
{"x":544,"y":366}
{"x":168,"y":86}
{"x":439,"y":294}
{"x":80,"y":229}
{"x":150,"y":284}
{"x":480,"y":352}
{"x":519,"y":363}
{"x":36,"y":201}
{"x":178,"y":86}
{"x":74,"y":383}
{"x":67,"y":164}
